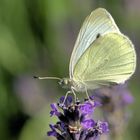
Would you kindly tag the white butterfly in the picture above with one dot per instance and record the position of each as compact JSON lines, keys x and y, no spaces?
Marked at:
{"x":102,"y":55}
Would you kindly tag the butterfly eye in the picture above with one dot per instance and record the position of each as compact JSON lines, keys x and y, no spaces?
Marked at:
{"x":63,"y":82}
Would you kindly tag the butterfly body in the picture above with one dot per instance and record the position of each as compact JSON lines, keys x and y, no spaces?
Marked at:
{"x":70,"y":84}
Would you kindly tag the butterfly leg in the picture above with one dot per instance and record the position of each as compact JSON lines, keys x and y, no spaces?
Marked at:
{"x":87,"y":93}
{"x":75,"y":98}
{"x":67,"y":93}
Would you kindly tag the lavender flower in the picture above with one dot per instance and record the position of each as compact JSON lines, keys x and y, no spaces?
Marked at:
{"x":75,"y":120}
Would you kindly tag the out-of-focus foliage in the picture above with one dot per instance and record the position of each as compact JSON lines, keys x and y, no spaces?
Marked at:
{"x":36,"y":38}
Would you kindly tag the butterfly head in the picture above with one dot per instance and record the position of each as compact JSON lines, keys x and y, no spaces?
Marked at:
{"x":65,"y":83}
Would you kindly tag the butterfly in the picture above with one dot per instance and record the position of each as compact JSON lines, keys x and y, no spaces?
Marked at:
{"x":102,"y":55}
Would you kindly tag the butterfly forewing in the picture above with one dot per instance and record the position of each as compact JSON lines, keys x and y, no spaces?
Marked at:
{"x":98,"y":23}
{"x":109,"y":59}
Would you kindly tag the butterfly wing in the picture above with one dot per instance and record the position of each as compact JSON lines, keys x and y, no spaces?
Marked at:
{"x":99,"y":22}
{"x":109,"y":59}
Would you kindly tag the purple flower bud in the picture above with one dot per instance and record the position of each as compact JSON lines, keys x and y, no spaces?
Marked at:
{"x":86,"y":108}
{"x":68,"y":101}
{"x":87,"y":124}
{"x":54,"y":110}
{"x":102,"y":127}
{"x":52,"y":132}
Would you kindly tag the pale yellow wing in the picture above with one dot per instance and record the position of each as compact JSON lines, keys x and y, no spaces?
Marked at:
{"x":99,"y":22}
{"x":110,"y":59}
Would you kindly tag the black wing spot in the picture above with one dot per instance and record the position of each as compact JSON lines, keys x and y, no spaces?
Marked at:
{"x":98,"y":35}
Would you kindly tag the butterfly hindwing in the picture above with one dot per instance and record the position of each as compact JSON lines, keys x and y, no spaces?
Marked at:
{"x":109,"y":59}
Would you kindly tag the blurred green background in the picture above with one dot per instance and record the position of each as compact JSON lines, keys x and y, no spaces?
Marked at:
{"x":37,"y":38}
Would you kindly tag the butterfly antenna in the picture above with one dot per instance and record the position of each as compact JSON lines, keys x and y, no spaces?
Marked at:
{"x":44,"y":78}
